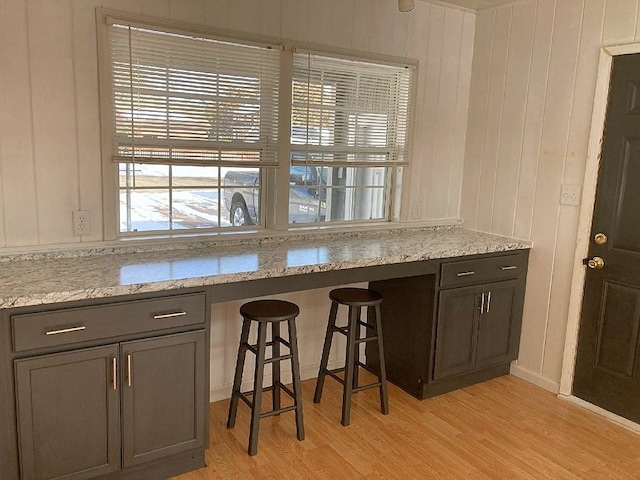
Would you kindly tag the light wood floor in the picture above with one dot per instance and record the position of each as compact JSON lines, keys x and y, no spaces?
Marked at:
{"x":501,"y":429}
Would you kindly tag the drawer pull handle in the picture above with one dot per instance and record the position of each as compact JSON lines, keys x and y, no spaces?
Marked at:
{"x":114,"y":368}
{"x":65,"y":330}
{"x":465,"y":274}
{"x":169,"y":315}
{"x":510,"y":267}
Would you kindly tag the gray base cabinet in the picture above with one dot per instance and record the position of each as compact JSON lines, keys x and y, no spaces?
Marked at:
{"x":68,"y":415}
{"x":110,"y":391}
{"x":454,"y":327}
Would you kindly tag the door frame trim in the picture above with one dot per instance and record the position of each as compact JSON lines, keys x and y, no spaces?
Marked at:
{"x":587,"y":206}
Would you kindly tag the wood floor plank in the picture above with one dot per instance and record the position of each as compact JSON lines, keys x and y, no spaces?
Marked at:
{"x":501,"y":429}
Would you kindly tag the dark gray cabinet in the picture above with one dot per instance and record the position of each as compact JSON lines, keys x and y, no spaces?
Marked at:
{"x":69,"y":414}
{"x":111,"y":391}
{"x":476,"y":328}
{"x":163,"y":408}
{"x":454,"y":327}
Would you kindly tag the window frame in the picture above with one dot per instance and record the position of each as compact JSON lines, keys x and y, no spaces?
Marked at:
{"x":274,"y":207}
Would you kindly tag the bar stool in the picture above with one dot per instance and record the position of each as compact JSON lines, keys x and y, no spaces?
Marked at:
{"x":267,"y":312}
{"x":355,"y":299}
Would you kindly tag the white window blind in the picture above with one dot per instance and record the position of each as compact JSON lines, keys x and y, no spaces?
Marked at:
{"x":180,"y":99}
{"x":349,"y":112}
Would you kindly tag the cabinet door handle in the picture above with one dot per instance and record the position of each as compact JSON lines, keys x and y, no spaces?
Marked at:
{"x":488,"y":302}
{"x":160,"y":316}
{"x":65,"y":330}
{"x":129,"y":370}
{"x":509,"y":267}
{"x":465,"y":274}
{"x":114,"y":372}
{"x":482,"y":303}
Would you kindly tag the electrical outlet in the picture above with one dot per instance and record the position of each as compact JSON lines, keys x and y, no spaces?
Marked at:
{"x":570,"y":195}
{"x":416,"y":210}
{"x":81,"y":222}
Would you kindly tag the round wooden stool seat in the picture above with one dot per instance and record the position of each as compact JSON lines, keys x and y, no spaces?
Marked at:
{"x":269,"y":310}
{"x":356,"y":297}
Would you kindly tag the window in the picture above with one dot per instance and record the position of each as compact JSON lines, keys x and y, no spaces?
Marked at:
{"x":194,"y":132}
{"x":186,"y":110}
{"x":349,"y":127}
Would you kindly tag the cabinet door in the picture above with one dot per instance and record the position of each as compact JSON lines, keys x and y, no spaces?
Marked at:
{"x":496,"y":342}
{"x":456,"y":333}
{"x":68,"y":414}
{"x":163,"y":396}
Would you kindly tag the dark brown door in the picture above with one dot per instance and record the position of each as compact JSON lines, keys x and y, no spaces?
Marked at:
{"x":607,"y":371}
{"x":163,"y":397}
{"x":68,"y":414}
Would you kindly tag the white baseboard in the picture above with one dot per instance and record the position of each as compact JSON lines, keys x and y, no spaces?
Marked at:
{"x":535,"y":378}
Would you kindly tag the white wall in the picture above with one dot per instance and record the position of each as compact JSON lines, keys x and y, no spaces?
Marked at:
{"x":49,"y":118}
{"x":50,"y":159}
{"x":533,"y":85}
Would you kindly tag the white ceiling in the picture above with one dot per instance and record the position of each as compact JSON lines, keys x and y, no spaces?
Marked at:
{"x":476,"y":4}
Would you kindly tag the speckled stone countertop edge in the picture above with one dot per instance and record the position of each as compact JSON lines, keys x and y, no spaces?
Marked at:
{"x":162,"y":245}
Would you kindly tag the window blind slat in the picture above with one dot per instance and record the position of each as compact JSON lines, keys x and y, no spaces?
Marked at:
{"x":180,"y":97}
{"x":348,"y":110}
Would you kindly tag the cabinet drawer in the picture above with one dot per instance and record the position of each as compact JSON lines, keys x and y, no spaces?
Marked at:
{"x":62,"y":327}
{"x":480,"y":270}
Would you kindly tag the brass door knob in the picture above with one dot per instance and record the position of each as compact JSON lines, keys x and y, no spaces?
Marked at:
{"x":596,"y":263}
{"x":600,"y":239}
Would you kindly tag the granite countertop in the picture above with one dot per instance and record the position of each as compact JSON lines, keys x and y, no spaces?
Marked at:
{"x":53,"y":277}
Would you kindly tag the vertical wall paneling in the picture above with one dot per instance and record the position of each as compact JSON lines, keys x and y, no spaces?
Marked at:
{"x":536,"y":101}
{"x":462,"y":110}
{"x":339,"y":23}
{"x":441,"y":165}
{"x":19,"y":216}
{"x":478,"y":106}
{"x":295,"y":20}
{"x":430,"y":107}
{"x":243,"y":15}
{"x":186,"y":10}
{"x":513,"y":116}
{"x":270,"y":15}
{"x":417,"y":46}
{"x":558,"y":109}
{"x":85,"y":64}
{"x":156,"y":8}
{"x":620,"y":21}
{"x":361,"y":29}
{"x":495,"y":113}
{"x":131,"y":6}
{"x":216,"y":13}
{"x":54,"y":118}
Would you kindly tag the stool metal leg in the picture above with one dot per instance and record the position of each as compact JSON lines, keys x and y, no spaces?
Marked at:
{"x":382,"y":374}
{"x":349,"y":365}
{"x":326,"y":349}
{"x":295,"y":372}
{"x":356,"y":357}
{"x":237,"y":379}
{"x":275,"y":365}
{"x":257,"y":389}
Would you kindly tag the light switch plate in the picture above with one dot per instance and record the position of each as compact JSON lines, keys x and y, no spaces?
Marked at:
{"x":570,"y":195}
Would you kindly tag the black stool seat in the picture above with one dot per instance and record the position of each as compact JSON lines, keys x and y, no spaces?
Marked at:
{"x":265,"y":312}
{"x":355,"y":299}
{"x":269,"y":310}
